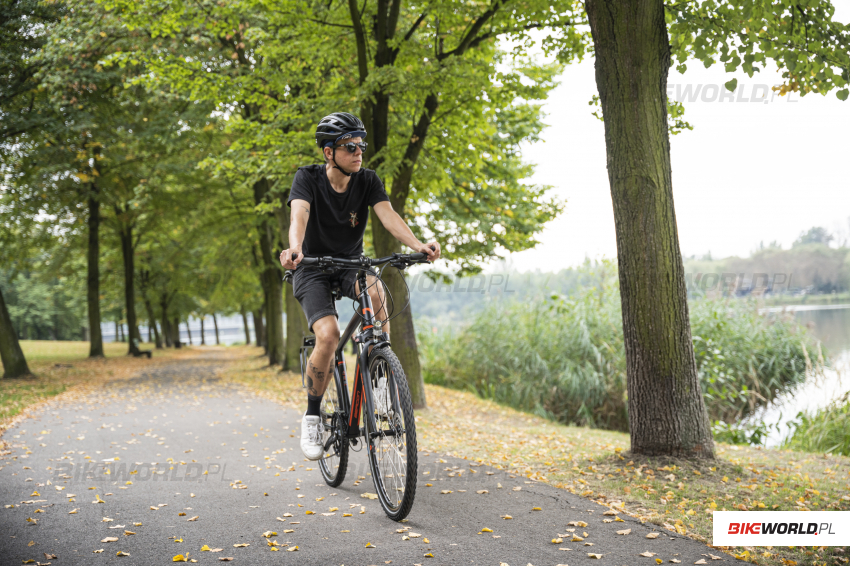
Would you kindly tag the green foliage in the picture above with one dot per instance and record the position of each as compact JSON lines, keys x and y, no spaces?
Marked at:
{"x":676,"y":123}
{"x":823,"y":431}
{"x":811,"y":49}
{"x":563,"y":358}
{"x":749,"y":433}
{"x":815,"y":235}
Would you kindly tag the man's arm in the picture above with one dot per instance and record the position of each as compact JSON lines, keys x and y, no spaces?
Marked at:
{"x":298,"y":217}
{"x":396,"y":226}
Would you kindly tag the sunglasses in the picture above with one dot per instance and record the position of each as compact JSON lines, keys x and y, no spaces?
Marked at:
{"x":352,"y":147}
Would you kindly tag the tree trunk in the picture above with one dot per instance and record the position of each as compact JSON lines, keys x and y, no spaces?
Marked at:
{"x":215,"y":323}
{"x":245,"y":324}
{"x":667,"y":415}
{"x":93,"y":276}
{"x":259,"y":329}
{"x":120,"y":326}
{"x":296,"y":322}
{"x":272,"y":278}
{"x":128,"y":254}
{"x":151,"y":319}
{"x":188,"y":330}
{"x":175,"y":327}
{"x":403,"y":335}
{"x":203,"y":338}
{"x":14,"y":362}
{"x":166,"y":326}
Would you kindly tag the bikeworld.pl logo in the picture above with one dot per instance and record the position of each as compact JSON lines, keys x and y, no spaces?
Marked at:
{"x":781,"y":528}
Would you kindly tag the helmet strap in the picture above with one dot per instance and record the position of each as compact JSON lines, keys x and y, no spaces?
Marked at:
{"x":343,"y":171}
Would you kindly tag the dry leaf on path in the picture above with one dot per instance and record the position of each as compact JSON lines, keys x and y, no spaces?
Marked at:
{"x":241,"y":545}
{"x":110,"y":539}
{"x":647,"y":554}
{"x":195,"y":518}
{"x":652,"y":535}
{"x":701,"y":561}
{"x":369,"y":495}
{"x":226,"y":559}
{"x":625,"y":532}
{"x":122,"y":553}
{"x":596,"y":556}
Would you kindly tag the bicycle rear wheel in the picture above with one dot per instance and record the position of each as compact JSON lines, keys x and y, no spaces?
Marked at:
{"x":334,"y":462}
{"x":392,"y":445}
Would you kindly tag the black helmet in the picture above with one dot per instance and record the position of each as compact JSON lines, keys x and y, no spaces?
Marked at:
{"x":335,"y":126}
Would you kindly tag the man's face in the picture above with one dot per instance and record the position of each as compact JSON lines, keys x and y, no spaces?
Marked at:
{"x":350,"y":162}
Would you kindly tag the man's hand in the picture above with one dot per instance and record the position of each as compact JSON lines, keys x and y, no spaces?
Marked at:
{"x":433,"y":254}
{"x":286,"y":258}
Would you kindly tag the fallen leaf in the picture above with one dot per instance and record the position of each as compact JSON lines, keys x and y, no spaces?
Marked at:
{"x":647,"y":554}
{"x":180,"y":558}
{"x":110,"y":539}
{"x":268,"y":534}
{"x":486,"y":530}
{"x":128,"y":533}
{"x":195,"y":518}
{"x":596,"y":556}
{"x":577,"y":523}
{"x":610,"y":512}
{"x":557,"y":540}
{"x":97,"y":551}
{"x":517,"y":488}
{"x":506,"y":517}
{"x":445,"y":491}
{"x":536,"y":509}
{"x":625,"y":532}
{"x":675,"y":561}
{"x":713,"y":557}
{"x":178,"y":540}
{"x":241,"y":545}
{"x":73,"y":511}
{"x":369,"y":495}
{"x":428,"y":555}
{"x":370,"y":545}
{"x":481,"y":491}
{"x":652,"y":535}
{"x":225,"y":559}
{"x":204,"y":548}
{"x":701,"y":561}
{"x":121,"y":553}
{"x":50,"y":556}
{"x":181,"y":514}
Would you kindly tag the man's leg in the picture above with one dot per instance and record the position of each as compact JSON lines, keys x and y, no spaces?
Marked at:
{"x":378,"y":296}
{"x":320,"y":364}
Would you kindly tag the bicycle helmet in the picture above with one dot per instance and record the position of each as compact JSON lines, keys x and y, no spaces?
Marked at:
{"x":336,"y":127}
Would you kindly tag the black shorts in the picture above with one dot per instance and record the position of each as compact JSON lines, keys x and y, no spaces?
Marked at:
{"x":312,"y":289}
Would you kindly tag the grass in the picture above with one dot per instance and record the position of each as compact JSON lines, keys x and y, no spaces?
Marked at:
{"x":826,"y":430}
{"x":66,"y":350}
{"x":564,"y":358}
{"x":63,"y":367}
{"x":673,"y":494}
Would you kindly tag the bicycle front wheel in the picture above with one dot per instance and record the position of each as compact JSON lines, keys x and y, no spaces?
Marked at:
{"x":334,"y":461}
{"x":392,"y":441}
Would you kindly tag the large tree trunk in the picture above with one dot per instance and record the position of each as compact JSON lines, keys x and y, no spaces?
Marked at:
{"x":175,"y":327}
{"x":272,"y":279}
{"x":14,"y":362}
{"x":215,"y":323}
{"x":128,"y":254}
{"x":93,"y":276}
{"x":296,"y":322}
{"x":667,"y":415}
{"x":403,"y":335}
{"x":245,"y":324}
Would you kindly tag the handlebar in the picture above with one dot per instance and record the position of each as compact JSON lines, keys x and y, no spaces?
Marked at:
{"x":397,"y":260}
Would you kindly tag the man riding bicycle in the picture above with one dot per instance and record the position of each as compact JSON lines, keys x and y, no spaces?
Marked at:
{"x":329,"y":210}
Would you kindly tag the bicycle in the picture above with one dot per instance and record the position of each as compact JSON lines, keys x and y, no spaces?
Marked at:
{"x":388,"y":427}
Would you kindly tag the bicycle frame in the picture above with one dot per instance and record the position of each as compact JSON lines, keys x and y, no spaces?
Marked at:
{"x":370,"y":335}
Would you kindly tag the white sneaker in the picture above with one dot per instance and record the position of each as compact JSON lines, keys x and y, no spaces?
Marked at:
{"x":311,"y":436}
{"x":383,"y":406}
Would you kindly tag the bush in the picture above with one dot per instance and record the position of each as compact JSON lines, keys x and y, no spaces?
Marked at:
{"x":824,"y":431}
{"x":563,"y":357}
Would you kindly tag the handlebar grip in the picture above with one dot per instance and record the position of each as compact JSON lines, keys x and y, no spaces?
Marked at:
{"x":308,"y":260}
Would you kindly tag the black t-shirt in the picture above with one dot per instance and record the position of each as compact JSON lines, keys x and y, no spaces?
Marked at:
{"x":337,"y":220}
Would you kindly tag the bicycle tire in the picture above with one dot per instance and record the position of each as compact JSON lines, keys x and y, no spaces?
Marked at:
{"x":334,"y":463}
{"x":382,"y":449}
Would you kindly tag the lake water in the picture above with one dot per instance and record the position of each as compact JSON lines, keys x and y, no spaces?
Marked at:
{"x":831,"y":325}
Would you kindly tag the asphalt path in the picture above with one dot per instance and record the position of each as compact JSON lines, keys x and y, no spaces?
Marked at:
{"x":213,"y":466}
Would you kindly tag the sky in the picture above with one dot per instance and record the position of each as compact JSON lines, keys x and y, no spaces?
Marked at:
{"x":759,"y":169}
